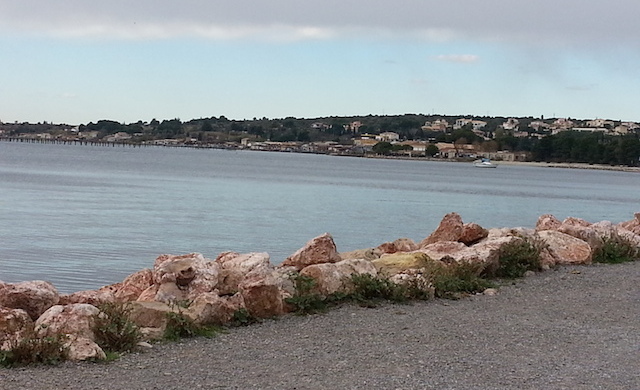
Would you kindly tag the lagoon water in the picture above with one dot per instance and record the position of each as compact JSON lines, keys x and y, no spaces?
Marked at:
{"x":86,"y":216}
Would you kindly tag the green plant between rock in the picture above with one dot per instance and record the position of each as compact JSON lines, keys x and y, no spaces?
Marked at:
{"x":34,"y":350}
{"x":113,"y":330}
{"x":368,"y":289}
{"x":180,"y":326}
{"x":519,"y":256}
{"x":457,"y":279}
{"x":304,"y":300}
{"x":242,"y":317}
{"x":616,"y":249}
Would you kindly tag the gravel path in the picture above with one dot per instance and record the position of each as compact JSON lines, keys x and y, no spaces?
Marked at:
{"x":572,"y":328}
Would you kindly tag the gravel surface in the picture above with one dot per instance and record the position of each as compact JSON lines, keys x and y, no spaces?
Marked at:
{"x":570,"y":328}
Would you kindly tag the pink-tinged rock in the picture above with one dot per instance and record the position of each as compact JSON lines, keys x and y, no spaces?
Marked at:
{"x":633,"y":225}
{"x":486,"y":252}
{"x":264,"y":291}
{"x":212,"y":309}
{"x":184,"y":277}
{"x":472,"y":233}
{"x":82,"y":348}
{"x":509,"y":232}
{"x":133,"y":285}
{"x":92,"y":297}
{"x":566,"y":249}
{"x":151,"y":314}
{"x":15,"y":325}
{"x":391,"y":264}
{"x":77,"y":319}
{"x":415,"y":278}
{"x":319,"y":250}
{"x":235,"y":266}
{"x":450,"y":229}
{"x":547,"y":222}
{"x":587,"y":233}
{"x":366,"y":254}
{"x":572,"y":221}
{"x":399,"y":245}
{"x":336,"y":277}
{"x":34,"y":297}
{"x":438,"y":250}
{"x":148,"y":295}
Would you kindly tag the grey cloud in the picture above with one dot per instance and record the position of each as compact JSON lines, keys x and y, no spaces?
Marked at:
{"x":562,"y":22}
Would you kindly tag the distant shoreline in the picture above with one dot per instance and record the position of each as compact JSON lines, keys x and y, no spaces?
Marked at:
{"x":601,"y":167}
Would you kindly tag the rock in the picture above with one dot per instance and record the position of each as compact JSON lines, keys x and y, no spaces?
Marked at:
{"x":510,"y":232}
{"x":77,"y":319}
{"x":336,"y":277}
{"x":633,"y":225}
{"x":416,"y":278}
{"x":450,"y":229}
{"x":367,"y":254}
{"x":212,"y":309}
{"x":15,"y":325}
{"x":399,"y":245}
{"x":92,"y":297}
{"x":183,"y":277}
{"x":34,"y":297}
{"x":571,"y":221}
{"x":234,"y":266}
{"x":319,"y":250}
{"x":547,"y":222}
{"x":565,"y":249}
{"x":490,"y":292}
{"x":439,"y":250}
{"x":472,"y":233}
{"x":582,"y":230}
{"x":486,"y":252}
{"x":264,"y":291}
{"x":149,"y":295}
{"x":81,"y":348}
{"x":151,"y":317}
{"x":392,"y":264}
{"x":133,"y":285}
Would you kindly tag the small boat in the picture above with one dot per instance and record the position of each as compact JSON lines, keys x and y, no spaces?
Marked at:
{"x":484,"y":163}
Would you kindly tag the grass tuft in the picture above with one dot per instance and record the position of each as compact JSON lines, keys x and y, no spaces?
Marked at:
{"x":616,"y":249}
{"x":113,"y":330}
{"x":33,"y":350}
{"x":518,"y":257}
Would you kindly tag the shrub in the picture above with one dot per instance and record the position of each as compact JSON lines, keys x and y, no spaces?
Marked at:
{"x":33,"y":350}
{"x":113,"y":330}
{"x":616,"y":249}
{"x":242,"y":317}
{"x":457,"y":279}
{"x":304,"y":300}
{"x":368,"y":289}
{"x":180,"y":326}
{"x":519,"y":256}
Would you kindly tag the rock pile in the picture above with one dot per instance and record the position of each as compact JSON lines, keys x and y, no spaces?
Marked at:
{"x":212,"y":291}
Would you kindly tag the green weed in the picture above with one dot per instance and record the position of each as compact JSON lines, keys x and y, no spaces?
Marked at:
{"x":518,"y":257}
{"x":180,"y":326}
{"x":113,"y":330}
{"x":616,"y":249}
{"x":34,"y":350}
{"x":457,"y":279}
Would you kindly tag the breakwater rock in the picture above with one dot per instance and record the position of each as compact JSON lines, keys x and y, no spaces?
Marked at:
{"x":214,"y":291}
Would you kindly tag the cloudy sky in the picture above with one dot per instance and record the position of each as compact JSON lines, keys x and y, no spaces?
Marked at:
{"x":75,"y":61}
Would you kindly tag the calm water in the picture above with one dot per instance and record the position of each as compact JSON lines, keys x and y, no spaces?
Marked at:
{"x":83,"y":216}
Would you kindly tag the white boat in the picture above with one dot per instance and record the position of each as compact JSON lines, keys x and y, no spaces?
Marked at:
{"x":484,"y":163}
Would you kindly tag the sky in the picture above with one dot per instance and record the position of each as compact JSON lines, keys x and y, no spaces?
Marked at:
{"x":79,"y":61}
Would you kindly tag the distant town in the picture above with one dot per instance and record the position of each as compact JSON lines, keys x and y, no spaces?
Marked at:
{"x":592,"y":141}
